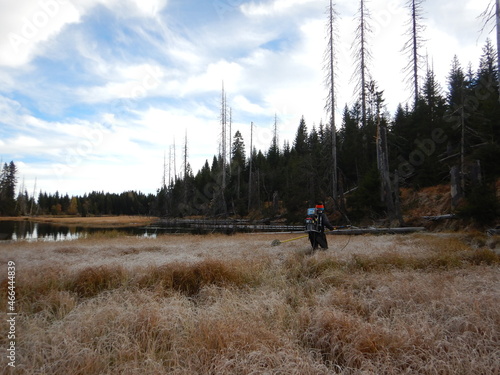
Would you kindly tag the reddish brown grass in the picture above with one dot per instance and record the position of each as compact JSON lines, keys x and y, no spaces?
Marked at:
{"x":431,"y":311}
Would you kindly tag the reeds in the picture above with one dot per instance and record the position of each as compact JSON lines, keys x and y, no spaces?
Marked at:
{"x":432,"y":312}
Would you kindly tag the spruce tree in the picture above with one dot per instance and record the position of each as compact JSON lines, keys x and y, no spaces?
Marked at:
{"x":349,"y":142}
{"x":237,"y":188}
{"x":8,"y":181}
{"x":428,"y":117}
{"x":486,"y":91}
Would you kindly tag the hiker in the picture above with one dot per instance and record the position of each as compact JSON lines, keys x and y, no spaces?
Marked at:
{"x":316,"y":222}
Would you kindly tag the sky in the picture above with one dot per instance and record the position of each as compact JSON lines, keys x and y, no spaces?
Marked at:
{"x":101,"y":95}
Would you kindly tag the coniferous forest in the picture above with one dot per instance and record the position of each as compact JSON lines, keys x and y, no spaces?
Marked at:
{"x":448,"y":135}
{"x":456,"y":128}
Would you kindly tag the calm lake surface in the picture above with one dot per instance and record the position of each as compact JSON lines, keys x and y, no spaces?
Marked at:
{"x":36,"y":231}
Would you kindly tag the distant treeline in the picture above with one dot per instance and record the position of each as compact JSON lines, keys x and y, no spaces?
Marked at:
{"x":97,"y":203}
{"x":93,"y":204}
{"x":456,"y":129}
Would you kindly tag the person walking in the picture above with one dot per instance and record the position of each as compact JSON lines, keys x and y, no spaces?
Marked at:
{"x":315,"y":226}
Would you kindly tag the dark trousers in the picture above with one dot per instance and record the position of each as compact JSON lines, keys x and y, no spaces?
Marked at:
{"x":318,"y":239}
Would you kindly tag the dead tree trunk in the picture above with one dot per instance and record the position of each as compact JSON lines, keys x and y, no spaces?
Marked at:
{"x":383,"y":167}
{"x":221,"y":205}
{"x":456,"y":186}
{"x":413,"y":45}
{"x":363,"y":58}
{"x":331,"y":96}
{"x":362,"y":55}
{"x":186,"y":171}
{"x":397,"y":200}
{"x":250,"y":169}
{"x":497,"y":12}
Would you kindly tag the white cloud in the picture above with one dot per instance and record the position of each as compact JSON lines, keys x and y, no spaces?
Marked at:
{"x":211,"y":79}
{"x":239,"y":102}
{"x":128,"y":82}
{"x":150,"y":8}
{"x":124,"y":8}
{"x":26,"y":24}
{"x":275,"y":7}
{"x":161,"y":128}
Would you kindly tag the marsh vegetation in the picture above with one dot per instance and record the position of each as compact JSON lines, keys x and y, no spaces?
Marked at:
{"x":419,"y":303}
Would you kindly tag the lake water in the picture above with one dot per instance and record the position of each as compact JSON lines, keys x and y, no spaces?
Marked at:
{"x":36,"y":231}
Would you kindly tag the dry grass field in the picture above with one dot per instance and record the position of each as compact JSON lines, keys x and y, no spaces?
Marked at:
{"x":181,"y":304}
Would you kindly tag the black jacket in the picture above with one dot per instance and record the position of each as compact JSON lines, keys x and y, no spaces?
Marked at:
{"x":324,"y":222}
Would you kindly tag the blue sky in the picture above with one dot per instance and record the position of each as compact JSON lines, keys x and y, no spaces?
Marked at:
{"x":94,"y":93}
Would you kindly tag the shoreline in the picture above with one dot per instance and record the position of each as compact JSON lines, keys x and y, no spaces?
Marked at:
{"x":91,"y":221}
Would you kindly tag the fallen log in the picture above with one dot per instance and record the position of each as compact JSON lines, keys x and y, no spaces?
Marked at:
{"x":493,"y":231}
{"x":358,"y":231}
{"x":440,"y":217}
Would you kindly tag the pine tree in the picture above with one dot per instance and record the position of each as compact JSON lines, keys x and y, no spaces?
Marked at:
{"x":238,"y":166}
{"x":275,"y":165}
{"x":300,"y":143}
{"x":402,"y":132}
{"x":457,"y":94}
{"x":486,"y":91}
{"x":483,"y":133}
{"x":428,"y":116}
{"x":273,"y":154}
{"x":300,"y":187}
{"x":492,"y":15}
{"x":8,"y":181}
{"x":349,"y":140}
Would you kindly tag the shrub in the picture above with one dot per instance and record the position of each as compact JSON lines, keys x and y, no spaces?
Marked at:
{"x":92,"y":281}
{"x":365,"y":201}
{"x":481,"y":205}
{"x":189,"y":279}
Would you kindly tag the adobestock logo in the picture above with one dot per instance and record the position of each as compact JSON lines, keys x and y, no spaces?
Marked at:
{"x":424,"y":149}
{"x":72,"y":157}
{"x":32,"y":25}
{"x":222,"y":7}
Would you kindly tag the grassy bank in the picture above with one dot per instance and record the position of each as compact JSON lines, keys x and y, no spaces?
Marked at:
{"x":416,"y":304}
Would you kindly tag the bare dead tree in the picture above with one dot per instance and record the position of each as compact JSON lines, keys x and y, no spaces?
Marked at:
{"x":164,"y":178}
{"x":185,"y":155}
{"x":33,"y":198}
{"x":174,"y":152}
{"x":362,"y":55}
{"x":414,"y":44}
{"x":170,"y":157}
{"x":229,"y":137}
{"x":250,"y":169}
{"x":330,"y":64}
{"x":275,"y":141}
{"x":186,"y":168}
{"x":223,"y":150}
{"x":386,"y":193}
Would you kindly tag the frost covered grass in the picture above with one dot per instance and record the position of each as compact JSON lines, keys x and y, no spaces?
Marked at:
{"x":415,"y":304}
